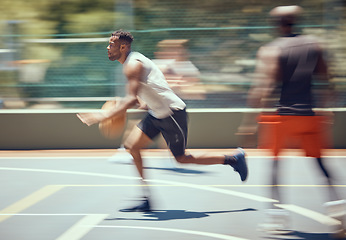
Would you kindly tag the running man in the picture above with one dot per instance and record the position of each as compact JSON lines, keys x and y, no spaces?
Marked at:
{"x":166,"y":113}
{"x":290,"y":63}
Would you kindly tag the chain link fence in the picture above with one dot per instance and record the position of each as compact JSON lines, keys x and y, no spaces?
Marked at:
{"x":73,"y":70}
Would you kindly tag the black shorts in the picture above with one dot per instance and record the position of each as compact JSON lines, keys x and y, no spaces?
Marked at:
{"x":173,"y":129}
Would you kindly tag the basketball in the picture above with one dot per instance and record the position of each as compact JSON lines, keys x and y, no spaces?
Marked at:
{"x":113,"y":127}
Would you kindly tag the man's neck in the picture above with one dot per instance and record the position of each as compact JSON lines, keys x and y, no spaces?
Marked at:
{"x":123,"y":59}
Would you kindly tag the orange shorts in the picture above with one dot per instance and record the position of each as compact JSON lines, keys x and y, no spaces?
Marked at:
{"x":309,"y":133}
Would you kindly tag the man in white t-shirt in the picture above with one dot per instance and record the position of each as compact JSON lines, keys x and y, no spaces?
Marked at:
{"x":166,"y":113}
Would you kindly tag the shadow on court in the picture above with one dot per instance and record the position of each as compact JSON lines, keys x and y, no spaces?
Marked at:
{"x":172,"y":169}
{"x":166,"y":215}
{"x":302,"y":235}
{"x":179,"y":170}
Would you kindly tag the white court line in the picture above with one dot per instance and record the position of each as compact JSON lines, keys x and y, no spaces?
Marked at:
{"x":319,"y":217}
{"x":70,"y":172}
{"x":306,"y":212}
{"x":189,"y":185}
{"x":47,"y":214}
{"x":207,"y":234}
{"x":218,"y":190}
{"x":147,"y":157}
{"x":82,"y":227}
{"x":207,"y":185}
{"x":29,"y":200}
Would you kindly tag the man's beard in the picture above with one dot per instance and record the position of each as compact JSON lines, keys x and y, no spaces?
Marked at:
{"x":112,"y":58}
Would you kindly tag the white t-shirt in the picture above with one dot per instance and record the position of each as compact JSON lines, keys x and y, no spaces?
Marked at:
{"x":154,"y":89}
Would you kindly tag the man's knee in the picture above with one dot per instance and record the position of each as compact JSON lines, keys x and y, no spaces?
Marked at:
{"x":131,"y":147}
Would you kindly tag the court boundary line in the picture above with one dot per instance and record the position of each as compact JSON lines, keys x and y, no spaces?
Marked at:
{"x":189,"y":185}
{"x":308,"y":213}
{"x":145,"y":157}
{"x":207,"y":185}
{"x":29,"y":200}
{"x":82,"y":227}
{"x":193,"y":232}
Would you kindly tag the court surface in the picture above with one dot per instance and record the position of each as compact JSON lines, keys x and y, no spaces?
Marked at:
{"x":77,"y":194}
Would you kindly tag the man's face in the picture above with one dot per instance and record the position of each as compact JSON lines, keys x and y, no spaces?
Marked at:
{"x":114,"y":49}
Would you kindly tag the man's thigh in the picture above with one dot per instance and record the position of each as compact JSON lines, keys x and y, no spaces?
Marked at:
{"x":137,"y":139}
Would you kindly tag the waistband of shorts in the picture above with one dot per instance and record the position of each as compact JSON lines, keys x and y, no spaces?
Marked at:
{"x":178,"y":110}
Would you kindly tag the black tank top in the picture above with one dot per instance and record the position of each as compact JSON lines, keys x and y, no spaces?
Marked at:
{"x":297,"y":62}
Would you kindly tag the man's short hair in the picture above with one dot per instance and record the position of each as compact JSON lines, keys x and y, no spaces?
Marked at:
{"x":123,"y":36}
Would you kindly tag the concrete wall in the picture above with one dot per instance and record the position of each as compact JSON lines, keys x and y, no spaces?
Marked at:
{"x":61,"y":129}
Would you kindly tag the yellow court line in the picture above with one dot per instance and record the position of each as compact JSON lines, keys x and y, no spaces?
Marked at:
{"x":279,"y":185}
{"x":155,"y":181}
{"x":206,"y":185}
{"x":29,"y":200}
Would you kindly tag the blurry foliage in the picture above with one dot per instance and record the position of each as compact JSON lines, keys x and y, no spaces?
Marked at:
{"x":221,"y":55}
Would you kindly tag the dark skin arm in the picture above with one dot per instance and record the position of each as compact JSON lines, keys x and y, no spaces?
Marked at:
{"x":267,"y":74}
{"x":322,"y":73}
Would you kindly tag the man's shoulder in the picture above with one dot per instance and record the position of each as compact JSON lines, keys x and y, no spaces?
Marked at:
{"x":268,"y":51}
{"x":136,"y":55}
{"x":133,"y":64}
{"x":292,"y":41}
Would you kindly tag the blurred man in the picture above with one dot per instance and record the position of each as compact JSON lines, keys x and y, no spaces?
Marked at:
{"x":289,"y":63}
{"x":182,"y":75}
{"x":166,"y":113}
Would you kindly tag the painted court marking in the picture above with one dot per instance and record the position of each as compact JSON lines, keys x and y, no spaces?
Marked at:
{"x":218,"y":190}
{"x":82,"y":227}
{"x":90,"y":221}
{"x":201,"y":187}
{"x":200,"y":233}
{"x":319,"y":217}
{"x":144,"y":157}
{"x":39,"y":195}
{"x":29,"y":201}
{"x":47,"y":214}
{"x":205,"y":185}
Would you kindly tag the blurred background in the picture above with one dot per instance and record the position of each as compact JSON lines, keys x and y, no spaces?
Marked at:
{"x":53,"y":53}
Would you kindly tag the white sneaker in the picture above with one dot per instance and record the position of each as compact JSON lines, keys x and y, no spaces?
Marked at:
{"x":275,"y":221}
{"x":337,"y":210}
{"x":121,"y":156}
